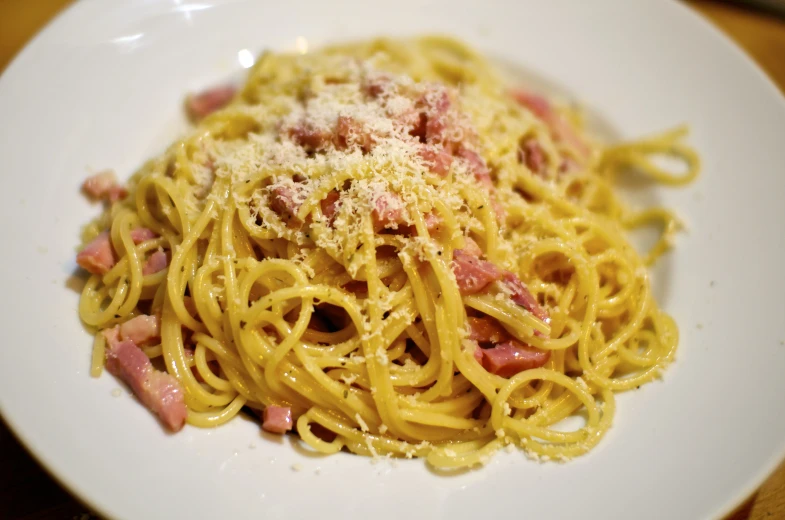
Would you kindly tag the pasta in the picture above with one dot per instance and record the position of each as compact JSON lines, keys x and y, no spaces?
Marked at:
{"x":389,"y":250}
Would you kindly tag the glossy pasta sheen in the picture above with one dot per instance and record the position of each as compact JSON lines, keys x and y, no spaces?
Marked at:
{"x":399,"y":376}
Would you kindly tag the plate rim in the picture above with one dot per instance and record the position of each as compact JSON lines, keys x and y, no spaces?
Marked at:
{"x":94,"y":504}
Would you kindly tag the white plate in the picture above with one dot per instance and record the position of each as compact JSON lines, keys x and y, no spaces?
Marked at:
{"x":102,"y":87}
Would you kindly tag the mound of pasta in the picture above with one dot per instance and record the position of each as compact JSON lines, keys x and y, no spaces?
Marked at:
{"x":386,"y":249}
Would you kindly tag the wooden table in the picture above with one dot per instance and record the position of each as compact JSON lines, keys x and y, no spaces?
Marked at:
{"x":27,"y":492}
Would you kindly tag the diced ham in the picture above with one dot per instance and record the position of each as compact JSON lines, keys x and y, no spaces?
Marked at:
{"x":486,"y":330}
{"x":282,"y":201}
{"x":98,"y":185}
{"x":349,"y":132}
{"x":104,"y":186}
{"x":112,"y":335}
{"x":141,"y":329}
{"x":560,"y":128}
{"x":533,"y":156}
{"x":387,"y":211}
{"x":471,"y":273}
{"x":377,"y":85}
{"x":436,"y":158}
{"x":539,"y":105}
{"x":523,"y":297}
{"x":206,"y":102}
{"x":98,"y":256}
{"x":432,"y":222}
{"x":277,"y":419}
{"x":511,"y":357}
{"x":158,"y":391}
{"x":142,"y":234}
{"x":309,"y":137}
{"x":478,"y":167}
{"x":116,"y":193}
{"x":156,"y":263}
{"x":470,"y":247}
{"x":409,"y":120}
{"x":478,"y":354}
{"x":329,"y":205}
{"x":418,"y":125}
{"x":432,"y":124}
{"x":437,"y":104}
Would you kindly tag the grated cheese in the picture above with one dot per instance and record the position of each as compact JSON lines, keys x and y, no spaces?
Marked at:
{"x":349,"y":380}
{"x":381,"y":355}
{"x":361,"y":422}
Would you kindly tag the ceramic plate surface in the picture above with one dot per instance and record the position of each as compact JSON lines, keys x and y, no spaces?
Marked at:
{"x":102,"y":86}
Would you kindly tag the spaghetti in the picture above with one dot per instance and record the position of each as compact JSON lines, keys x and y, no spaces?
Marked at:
{"x":384,"y":245}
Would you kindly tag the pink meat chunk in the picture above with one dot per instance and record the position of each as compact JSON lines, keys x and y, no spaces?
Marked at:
{"x":309,"y":137}
{"x":486,"y":330}
{"x":98,"y":185}
{"x":432,"y":123}
{"x":472,"y":274}
{"x":511,"y":357}
{"x":478,"y":167}
{"x":436,"y":158}
{"x":478,"y":354}
{"x":329,"y":205}
{"x":141,"y":329}
{"x":432,"y":222}
{"x":104,"y":186}
{"x":539,"y":105}
{"x":156,"y":263}
{"x":349,"y":133}
{"x":117,"y":193}
{"x":158,"y":391}
{"x":206,"y":102}
{"x":377,"y":85}
{"x":533,"y":156}
{"x":387,"y":212}
{"x":437,"y":104}
{"x":284,"y":204}
{"x":471,"y":247}
{"x":277,"y":419}
{"x":142,"y":234}
{"x":560,"y":128}
{"x":97,"y":257}
{"x":523,"y":297}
